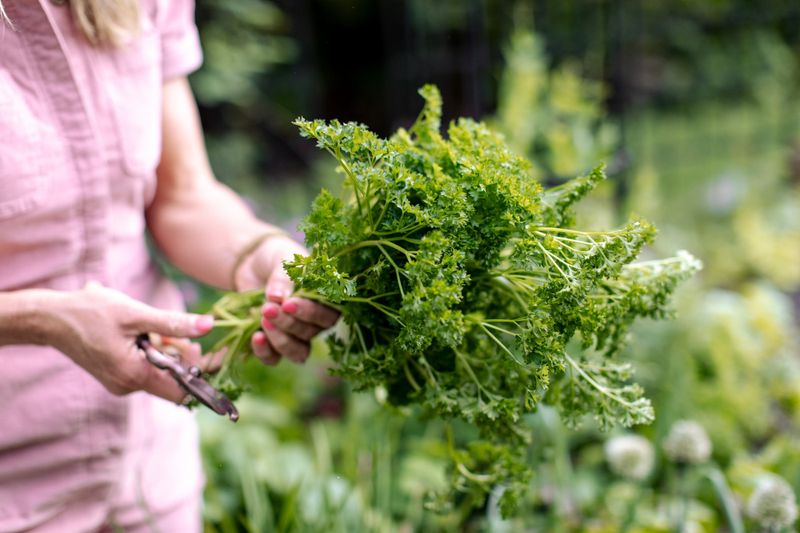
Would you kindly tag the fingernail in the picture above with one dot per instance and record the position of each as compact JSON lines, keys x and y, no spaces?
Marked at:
{"x":270,"y":311}
{"x":276,"y":295}
{"x":204,"y":323}
{"x":269,"y":326}
{"x":289,"y":307}
{"x":259,"y":338}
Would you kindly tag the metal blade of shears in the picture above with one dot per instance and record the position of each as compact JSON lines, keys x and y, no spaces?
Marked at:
{"x":189,"y":378}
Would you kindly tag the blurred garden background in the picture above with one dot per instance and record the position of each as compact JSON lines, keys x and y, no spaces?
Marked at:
{"x":694,"y":106}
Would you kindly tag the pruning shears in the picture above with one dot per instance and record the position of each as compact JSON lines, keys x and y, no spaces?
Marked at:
{"x":188,"y":377}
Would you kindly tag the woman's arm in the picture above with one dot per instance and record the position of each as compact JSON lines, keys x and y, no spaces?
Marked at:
{"x":23,"y":316}
{"x":203,"y":227}
{"x":96,"y":328}
{"x":199,"y":223}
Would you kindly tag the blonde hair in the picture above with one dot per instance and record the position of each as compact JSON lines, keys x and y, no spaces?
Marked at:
{"x":102,"y":22}
{"x":4,"y":15}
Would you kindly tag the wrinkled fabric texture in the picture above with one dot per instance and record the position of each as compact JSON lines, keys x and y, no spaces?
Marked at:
{"x":80,"y":140}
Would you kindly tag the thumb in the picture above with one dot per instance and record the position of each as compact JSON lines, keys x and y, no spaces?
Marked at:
{"x":279,"y":286}
{"x":173,"y":323}
{"x":160,"y":383}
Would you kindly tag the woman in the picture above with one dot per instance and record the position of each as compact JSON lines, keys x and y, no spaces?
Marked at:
{"x":100,"y":140}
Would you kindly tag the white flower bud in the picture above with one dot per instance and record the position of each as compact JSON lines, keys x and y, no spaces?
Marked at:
{"x":381,"y":394}
{"x":630,"y":456}
{"x":772,"y":505}
{"x":688,"y":443}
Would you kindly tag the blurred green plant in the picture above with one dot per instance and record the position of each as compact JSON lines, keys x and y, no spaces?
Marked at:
{"x":245,"y":44}
{"x":554,"y":117}
{"x":311,"y":456}
{"x":246,"y":40}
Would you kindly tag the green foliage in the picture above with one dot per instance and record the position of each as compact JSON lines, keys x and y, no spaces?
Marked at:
{"x":555,"y":117}
{"x":242,"y":41}
{"x":248,"y":46}
{"x":308,"y":455}
{"x":461,"y":285}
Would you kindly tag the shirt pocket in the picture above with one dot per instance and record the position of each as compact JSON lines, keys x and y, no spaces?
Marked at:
{"x":135,"y":90}
{"x":24,"y":160}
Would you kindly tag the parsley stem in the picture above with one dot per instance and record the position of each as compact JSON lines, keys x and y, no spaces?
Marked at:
{"x":338,"y":155}
{"x":380,"y":307}
{"x":513,"y":288}
{"x":498,"y":328}
{"x":514,"y":321}
{"x":232,"y":322}
{"x":501,"y":345}
{"x":367,"y":201}
{"x":468,"y":367}
{"x":386,"y":202}
{"x":580,"y":232}
{"x":396,"y":270}
{"x":478,"y":478}
{"x":548,"y":256}
{"x":605,"y":391}
{"x":561,"y":238}
{"x":401,"y":231}
{"x":410,"y":377}
{"x":366,"y":244}
{"x":423,"y":363}
{"x":361,"y":338}
{"x":223,"y":313}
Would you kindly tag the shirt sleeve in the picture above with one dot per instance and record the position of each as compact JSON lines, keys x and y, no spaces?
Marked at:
{"x":180,"y":43}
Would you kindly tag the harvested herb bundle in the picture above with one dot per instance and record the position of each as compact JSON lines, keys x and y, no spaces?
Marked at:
{"x":467,"y":292}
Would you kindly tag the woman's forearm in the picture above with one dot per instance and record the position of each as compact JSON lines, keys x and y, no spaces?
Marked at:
{"x":199,"y":223}
{"x":96,"y":328}
{"x":24,"y":316}
{"x":203,"y":230}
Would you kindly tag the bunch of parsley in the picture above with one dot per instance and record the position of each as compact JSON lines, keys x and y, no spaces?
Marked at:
{"x":465,"y":289}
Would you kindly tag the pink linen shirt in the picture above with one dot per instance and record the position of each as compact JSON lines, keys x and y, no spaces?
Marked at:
{"x":80,"y":139}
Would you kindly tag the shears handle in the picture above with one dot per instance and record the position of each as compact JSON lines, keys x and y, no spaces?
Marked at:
{"x":189,"y":378}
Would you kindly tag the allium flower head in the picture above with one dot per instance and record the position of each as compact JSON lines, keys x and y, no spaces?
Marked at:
{"x":688,"y":443}
{"x":630,"y":456}
{"x":772,"y":505}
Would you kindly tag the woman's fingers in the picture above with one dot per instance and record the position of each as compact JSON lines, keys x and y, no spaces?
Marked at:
{"x":137,"y":373}
{"x":191,"y":352}
{"x":137,"y":317}
{"x":171,"y":323}
{"x":263,"y":349}
{"x":284,"y":343}
{"x":279,"y":286}
{"x":310,"y":311}
{"x":288,"y":327}
{"x":289,"y":324}
{"x":186,"y":348}
{"x":299,"y":317}
{"x":212,"y":361}
{"x":161,"y":383}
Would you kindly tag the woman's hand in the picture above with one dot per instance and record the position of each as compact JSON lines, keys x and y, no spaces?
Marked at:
{"x":288,"y":323}
{"x":97,"y":328}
